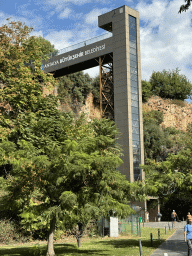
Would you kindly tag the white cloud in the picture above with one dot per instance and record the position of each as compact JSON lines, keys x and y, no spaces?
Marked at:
{"x":65,"y":14}
{"x":93,"y":72}
{"x":77,"y":2}
{"x":60,"y":39}
{"x":65,"y":38}
{"x":92,"y":17}
{"x":165,"y":37}
{"x":37,"y":33}
{"x":152,"y":13}
{"x":4,"y":16}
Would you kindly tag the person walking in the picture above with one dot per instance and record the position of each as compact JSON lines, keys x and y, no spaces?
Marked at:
{"x":174,"y":216}
{"x":147,"y":216}
{"x":188,"y":235}
{"x":159,"y":215}
{"x":188,"y":216}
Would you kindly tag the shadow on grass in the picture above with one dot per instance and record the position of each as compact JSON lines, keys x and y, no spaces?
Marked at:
{"x":126,"y":243}
{"x":59,"y":249}
{"x":104,"y":247}
{"x":65,"y":248}
{"x":171,"y":245}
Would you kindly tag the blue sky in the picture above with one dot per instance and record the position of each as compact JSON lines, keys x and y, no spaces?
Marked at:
{"x":166,"y":36}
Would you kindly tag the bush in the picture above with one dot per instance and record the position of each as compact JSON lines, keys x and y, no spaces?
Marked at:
{"x":179,"y":103}
{"x":74,"y":87}
{"x":170,"y":85}
{"x":152,"y":116}
{"x":146,"y":90}
{"x":10,"y":234}
{"x":172,"y":130}
{"x":154,"y":140}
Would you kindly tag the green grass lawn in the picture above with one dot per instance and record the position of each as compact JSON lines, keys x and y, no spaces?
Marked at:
{"x":121,"y":246}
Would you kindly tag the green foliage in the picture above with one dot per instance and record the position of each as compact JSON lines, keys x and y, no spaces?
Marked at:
{"x":189,"y":128}
{"x":152,"y":116}
{"x":154,"y":137}
{"x":170,"y":177}
{"x":172,"y":130}
{"x":43,"y":45}
{"x":185,"y":7}
{"x":63,"y":167}
{"x":74,"y":87}
{"x":158,"y":141}
{"x":180,"y":200}
{"x":154,"y":140}
{"x":20,"y":88}
{"x":179,"y":103}
{"x":9,"y":233}
{"x":170,"y":84}
{"x":96,"y":89}
{"x":56,"y":167}
{"x":146,"y":90}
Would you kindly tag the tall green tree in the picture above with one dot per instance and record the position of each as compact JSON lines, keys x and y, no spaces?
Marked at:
{"x":54,"y":164}
{"x":154,"y":137}
{"x":171,"y":177}
{"x":74,"y":87}
{"x":146,"y":90}
{"x":170,"y":84}
{"x":64,"y":167}
{"x":20,"y":87}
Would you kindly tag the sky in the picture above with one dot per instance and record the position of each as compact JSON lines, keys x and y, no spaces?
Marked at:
{"x":166,"y":35}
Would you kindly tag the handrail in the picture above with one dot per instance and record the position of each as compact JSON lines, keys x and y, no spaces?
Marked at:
{"x":81,"y":44}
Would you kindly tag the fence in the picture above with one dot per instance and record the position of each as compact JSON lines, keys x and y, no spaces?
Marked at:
{"x":128,"y":225}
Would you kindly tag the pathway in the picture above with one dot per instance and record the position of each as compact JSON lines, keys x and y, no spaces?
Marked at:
{"x":174,"y":245}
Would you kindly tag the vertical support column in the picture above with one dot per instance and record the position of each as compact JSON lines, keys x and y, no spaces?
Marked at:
{"x":122,"y":90}
{"x":100,"y":78}
{"x":124,"y":24}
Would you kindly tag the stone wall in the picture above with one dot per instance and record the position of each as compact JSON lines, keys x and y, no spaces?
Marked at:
{"x":173,"y":115}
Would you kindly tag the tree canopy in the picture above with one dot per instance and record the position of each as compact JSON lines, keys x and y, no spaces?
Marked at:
{"x":54,"y":166}
{"x":74,"y":87}
{"x":146,"y":90}
{"x":20,"y":88}
{"x":170,"y":84}
{"x":63,"y":167}
{"x":185,"y":7}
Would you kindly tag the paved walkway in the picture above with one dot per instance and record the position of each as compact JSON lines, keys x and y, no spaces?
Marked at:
{"x":174,"y":245}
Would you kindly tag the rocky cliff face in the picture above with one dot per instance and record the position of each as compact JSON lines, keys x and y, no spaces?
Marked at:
{"x":88,"y":108}
{"x":173,"y":115}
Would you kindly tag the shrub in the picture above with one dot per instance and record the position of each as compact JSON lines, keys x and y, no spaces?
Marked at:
{"x":179,"y":103}
{"x":153,"y":116}
{"x":170,"y":85}
{"x":10,"y":234}
{"x":146,"y":90}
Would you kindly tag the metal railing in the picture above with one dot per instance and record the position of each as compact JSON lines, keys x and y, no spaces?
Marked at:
{"x":81,"y":44}
{"x":130,"y":225}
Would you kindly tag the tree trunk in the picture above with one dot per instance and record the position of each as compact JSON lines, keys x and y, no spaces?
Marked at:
{"x":80,"y":234}
{"x":50,"y":249}
{"x":79,"y":241}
